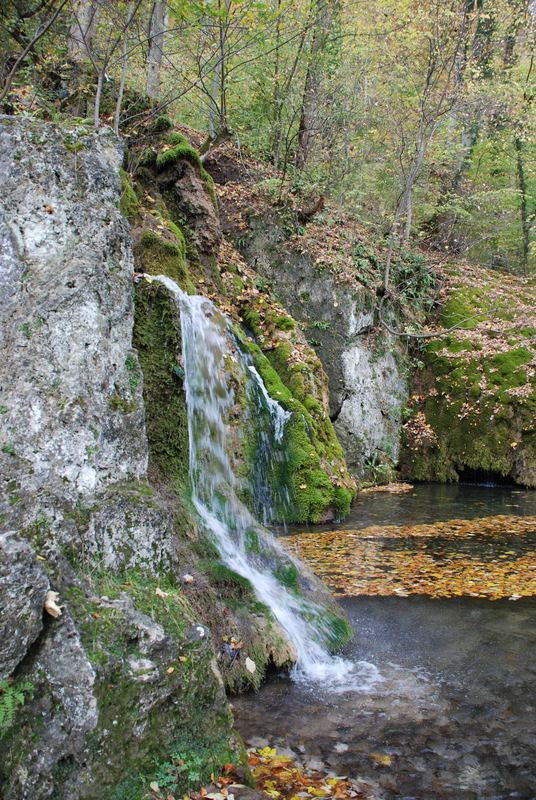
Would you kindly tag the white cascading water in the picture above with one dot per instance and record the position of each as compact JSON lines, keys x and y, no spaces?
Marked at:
{"x":278,"y":415}
{"x":206,"y":344}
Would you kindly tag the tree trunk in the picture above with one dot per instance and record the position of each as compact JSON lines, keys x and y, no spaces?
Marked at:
{"x":98,"y":95}
{"x":277,"y":95}
{"x":82,"y":30}
{"x":325,"y":11}
{"x":124,"y":65}
{"x":159,"y":21}
{"x":523,"y":206}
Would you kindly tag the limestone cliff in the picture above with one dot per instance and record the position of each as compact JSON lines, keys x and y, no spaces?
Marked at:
{"x":119,"y":621}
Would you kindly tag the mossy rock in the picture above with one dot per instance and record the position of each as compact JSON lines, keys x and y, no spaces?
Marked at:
{"x":182,"y":150}
{"x":309,"y":443}
{"x":479,"y":397}
{"x":157,"y":338}
{"x":157,"y":255}
{"x":129,"y":204}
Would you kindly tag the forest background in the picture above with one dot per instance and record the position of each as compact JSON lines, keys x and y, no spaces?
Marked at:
{"x":415,"y":116}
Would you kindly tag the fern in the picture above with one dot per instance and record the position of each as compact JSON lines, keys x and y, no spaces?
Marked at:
{"x":12,"y":695}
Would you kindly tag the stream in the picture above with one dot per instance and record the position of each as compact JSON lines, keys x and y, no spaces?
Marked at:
{"x":452,"y":710}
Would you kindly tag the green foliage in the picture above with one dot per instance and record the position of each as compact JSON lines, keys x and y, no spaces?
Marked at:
{"x":13,"y":694}
{"x":413,"y":278}
{"x":191,"y":763}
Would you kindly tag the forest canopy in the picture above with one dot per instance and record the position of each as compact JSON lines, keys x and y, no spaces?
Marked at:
{"x":415,"y":115}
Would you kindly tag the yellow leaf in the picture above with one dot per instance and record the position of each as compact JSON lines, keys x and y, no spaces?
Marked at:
{"x":382,"y":759}
{"x":267,"y":752}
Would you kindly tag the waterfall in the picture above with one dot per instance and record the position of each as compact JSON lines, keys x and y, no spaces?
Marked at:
{"x":207,"y":344}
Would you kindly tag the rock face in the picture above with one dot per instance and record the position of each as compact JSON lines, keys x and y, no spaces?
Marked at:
{"x":23,"y":588}
{"x":367,"y":376}
{"x":128,"y":668}
{"x":117,"y":677}
{"x":473,"y":406}
{"x":71,"y":388}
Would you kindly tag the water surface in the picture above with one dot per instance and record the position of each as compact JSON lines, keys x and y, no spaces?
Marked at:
{"x":454,"y":714}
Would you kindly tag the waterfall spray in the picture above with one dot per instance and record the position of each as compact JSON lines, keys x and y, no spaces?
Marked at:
{"x":207,"y":342}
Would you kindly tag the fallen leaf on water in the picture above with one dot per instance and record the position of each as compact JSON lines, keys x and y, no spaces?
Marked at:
{"x":445,"y":559}
{"x":381,"y":758}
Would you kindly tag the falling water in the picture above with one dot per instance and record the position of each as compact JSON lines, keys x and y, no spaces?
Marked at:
{"x":278,"y":415}
{"x":207,"y":343}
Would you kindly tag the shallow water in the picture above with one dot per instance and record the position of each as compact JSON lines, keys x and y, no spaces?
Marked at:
{"x":455,"y":708}
{"x":434,"y":502}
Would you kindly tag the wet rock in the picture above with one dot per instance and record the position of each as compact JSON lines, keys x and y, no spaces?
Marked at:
{"x":366,"y":377}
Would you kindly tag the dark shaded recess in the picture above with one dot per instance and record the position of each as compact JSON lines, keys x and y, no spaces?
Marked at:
{"x":484,"y":477}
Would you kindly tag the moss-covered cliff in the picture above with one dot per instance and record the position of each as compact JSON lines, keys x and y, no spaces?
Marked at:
{"x":177,"y":232}
{"x":474,"y":402}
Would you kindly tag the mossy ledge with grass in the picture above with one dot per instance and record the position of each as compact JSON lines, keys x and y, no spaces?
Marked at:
{"x":473,"y":410}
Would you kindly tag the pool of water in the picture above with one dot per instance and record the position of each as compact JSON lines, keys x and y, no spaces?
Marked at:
{"x":453,"y":714}
{"x":435,"y":502}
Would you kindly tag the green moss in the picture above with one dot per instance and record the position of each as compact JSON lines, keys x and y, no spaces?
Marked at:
{"x":342,"y":500}
{"x":119,"y":403}
{"x":288,"y":575}
{"x":283,"y":323}
{"x":252,"y":541}
{"x":158,"y":256}
{"x":460,"y":309}
{"x":157,"y":338}
{"x":339,"y":631}
{"x":223,"y":577}
{"x":478,"y":423}
{"x":162,"y":123}
{"x":175,"y":138}
{"x":128,"y":204}
{"x":308,"y":442}
{"x":183,"y":151}
{"x":312,"y":404}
